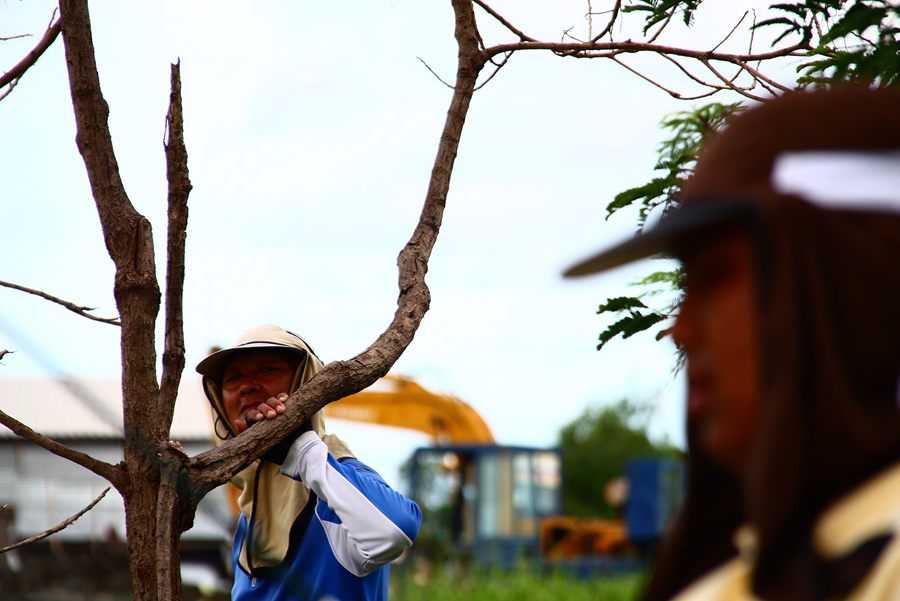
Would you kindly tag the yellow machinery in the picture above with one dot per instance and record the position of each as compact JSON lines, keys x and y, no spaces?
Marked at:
{"x":399,"y":401}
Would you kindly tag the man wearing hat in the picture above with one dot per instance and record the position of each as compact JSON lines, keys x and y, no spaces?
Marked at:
{"x":789,"y":233}
{"x":315,"y":523}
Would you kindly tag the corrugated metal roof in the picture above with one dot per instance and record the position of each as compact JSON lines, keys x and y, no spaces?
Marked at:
{"x":92,"y":408}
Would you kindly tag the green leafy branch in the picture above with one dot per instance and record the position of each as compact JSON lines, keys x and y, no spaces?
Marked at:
{"x":663,"y":11}
{"x":856,"y":43}
{"x":678,"y":153}
{"x":633,"y":315}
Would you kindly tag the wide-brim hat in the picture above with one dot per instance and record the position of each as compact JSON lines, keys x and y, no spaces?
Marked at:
{"x":263,"y":337}
{"x":665,"y":236}
{"x":835,"y":148}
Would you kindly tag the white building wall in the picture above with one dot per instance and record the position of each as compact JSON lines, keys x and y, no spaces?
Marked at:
{"x":42,"y":490}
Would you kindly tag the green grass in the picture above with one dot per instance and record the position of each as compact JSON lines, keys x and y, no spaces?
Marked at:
{"x":521,"y":585}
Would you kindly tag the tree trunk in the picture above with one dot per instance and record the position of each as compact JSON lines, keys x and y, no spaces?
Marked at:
{"x":130,"y":244}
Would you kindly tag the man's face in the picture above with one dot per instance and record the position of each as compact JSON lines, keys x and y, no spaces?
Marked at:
{"x":717,"y":328}
{"x":251,"y":378}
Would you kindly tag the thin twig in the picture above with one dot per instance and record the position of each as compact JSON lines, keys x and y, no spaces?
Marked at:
{"x":730,"y":33}
{"x":690,"y":75}
{"x":433,"y":73}
{"x":9,"y":89}
{"x":764,"y":80}
{"x":665,"y":24}
{"x":504,"y":22}
{"x":506,"y":57}
{"x":671,"y":93}
{"x":612,"y":21}
{"x":83,"y":311}
{"x":742,"y":91}
{"x":567,"y":34}
{"x":55,"y":529}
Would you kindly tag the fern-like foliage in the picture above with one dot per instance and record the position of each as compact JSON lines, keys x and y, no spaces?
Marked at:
{"x":663,"y":11}
{"x":677,"y":153}
{"x":850,"y":41}
{"x":857,"y":41}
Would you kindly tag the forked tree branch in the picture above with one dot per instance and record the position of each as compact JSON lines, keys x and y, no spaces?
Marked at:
{"x":61,"y":526}
{"x":83,"y":311}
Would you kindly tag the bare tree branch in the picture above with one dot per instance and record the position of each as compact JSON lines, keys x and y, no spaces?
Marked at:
{"x":167,"y":522}
{"x":669,"y":91}
{"x":762,"y":79}
{"x":691,"y":76}
{"x":728,"y":83}
{"x":17,"y":71}
{"x":610,"y":24}
{"x":731,"y":33}
{"x":105,"y":470}
{"x":83,"y":311}
{"x":503,"y":21}
{"x":506,"y":58}
{"x":589,"y":50}
{"x":438,"y":77}
{"x":8,"y":91}
{"x":55,"y":529}
{"x":610,"y":50}
{"x":341,"y":378}
{"x":179,"y":189}
{"x":659,"y":31}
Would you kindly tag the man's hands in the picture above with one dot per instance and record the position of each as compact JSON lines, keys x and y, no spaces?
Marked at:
{"x":271,"y":409}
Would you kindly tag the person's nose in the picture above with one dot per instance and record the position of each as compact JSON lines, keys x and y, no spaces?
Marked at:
{"x":248,"y":385}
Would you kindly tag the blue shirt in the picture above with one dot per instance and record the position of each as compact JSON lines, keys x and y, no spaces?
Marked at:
{"x":353,"y":527}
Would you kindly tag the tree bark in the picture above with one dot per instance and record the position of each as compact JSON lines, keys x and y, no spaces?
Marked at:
{"x":129,"y":241}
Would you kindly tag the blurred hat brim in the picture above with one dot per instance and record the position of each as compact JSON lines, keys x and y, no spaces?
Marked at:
{"x":671,"y":231}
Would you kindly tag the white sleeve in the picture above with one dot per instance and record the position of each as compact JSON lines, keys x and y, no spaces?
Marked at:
{"x":371,"y":523}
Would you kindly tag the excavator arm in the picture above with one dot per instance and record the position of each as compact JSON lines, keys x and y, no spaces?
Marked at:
{"x":400,"y":402}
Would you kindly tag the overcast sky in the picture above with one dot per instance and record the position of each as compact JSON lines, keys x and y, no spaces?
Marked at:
{"x":311,"y":129}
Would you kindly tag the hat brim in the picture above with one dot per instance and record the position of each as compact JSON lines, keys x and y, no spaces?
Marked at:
{"x":213,"y":365}
{"x":665,"y":237}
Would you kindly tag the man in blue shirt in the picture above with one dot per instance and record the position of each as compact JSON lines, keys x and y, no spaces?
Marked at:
{"x":315,"y":522}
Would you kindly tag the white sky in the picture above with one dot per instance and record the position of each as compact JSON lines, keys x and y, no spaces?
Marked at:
{"x":311,"y":130}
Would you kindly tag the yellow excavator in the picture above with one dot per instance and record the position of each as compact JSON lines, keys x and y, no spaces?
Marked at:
{"x":399,"y":401}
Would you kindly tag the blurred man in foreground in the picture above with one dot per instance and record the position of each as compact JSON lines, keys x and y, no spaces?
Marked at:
{"x":789,"y":233}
